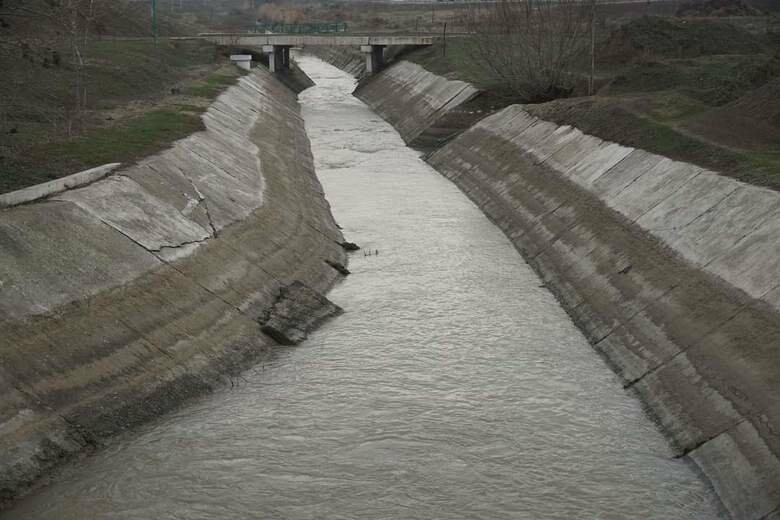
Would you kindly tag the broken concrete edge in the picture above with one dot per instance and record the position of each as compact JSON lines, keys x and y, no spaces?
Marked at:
{"x":104,"y":326}
{"x":169,"y":204}
{"x":339,"y":267}
{"x":297,"y":311}
{"x":46,"y":189}
{"x":665,"y":267}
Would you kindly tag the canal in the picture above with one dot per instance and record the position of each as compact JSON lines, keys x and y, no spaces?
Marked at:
{"x":453,"y":387}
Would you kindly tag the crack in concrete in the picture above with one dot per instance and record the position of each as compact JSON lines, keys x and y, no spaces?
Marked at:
{"x":711,"y":437}
{"x":202,"y":198}
{"x":702,"y":214}
{"x":147,"y":249}
{"x":769,"y":291}
{"x":178,"y":246}
{"x":634,"y":315}
{"x":684,"y":350}
{"x":769,"y":514}
{"x":211,"y":292}
{"x":322,"y":233}
{"x":624,"y":188}
{"x":651,"y":208}
{"x":761,"y":222}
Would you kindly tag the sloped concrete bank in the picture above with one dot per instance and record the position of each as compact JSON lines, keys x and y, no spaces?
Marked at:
{"x":121,"y":299}
{"x":671,"y":271}
{"x":349,"y":60}
{"x":426,"y":109}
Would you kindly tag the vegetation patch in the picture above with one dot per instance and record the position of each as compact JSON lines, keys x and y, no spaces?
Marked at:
{"x":140,"y":97}
{"x":705,"y":91}
{"x":136,"y":137}
{"x":668,"y":37}
{"x":614,"y":121}
{"x":211,"y":86}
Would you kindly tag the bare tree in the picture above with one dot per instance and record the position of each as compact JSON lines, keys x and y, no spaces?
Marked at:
{"x":533,"y":46}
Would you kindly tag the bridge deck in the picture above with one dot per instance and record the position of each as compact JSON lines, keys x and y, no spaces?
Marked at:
{"x":296,"y":40}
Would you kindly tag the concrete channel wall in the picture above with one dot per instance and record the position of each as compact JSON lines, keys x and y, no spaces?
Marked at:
{"x":122,"y":299}
{"x":422,"y":98}
{"x":670,"y":270}
{"x":350,"y":60}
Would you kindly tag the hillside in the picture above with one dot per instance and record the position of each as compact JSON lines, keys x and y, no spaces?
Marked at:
{"x":703,"y":90}
{"x":117,"y":98}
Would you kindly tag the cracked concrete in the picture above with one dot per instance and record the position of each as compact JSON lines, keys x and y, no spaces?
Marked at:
{"x":124,"y":298}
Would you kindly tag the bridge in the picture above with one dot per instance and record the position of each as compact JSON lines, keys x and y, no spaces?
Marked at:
{"x":277,"y":46}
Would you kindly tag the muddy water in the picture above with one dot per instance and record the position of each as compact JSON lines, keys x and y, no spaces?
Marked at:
{"x":453,"y":386}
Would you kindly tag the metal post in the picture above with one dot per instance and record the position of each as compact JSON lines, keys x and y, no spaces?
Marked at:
{"x":154,"y":20}
{"x":592,"y":46}
{"x":444,"y":40}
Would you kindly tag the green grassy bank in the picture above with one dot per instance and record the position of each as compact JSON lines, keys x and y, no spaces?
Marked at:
{"x":140,"y":97}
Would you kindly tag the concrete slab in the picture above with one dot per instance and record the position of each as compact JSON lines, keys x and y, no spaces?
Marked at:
{"x":56,"y":252}
{"x":614,"y":180}
{"x":686,"y":204}
{"x":574,"y":152}
{"x":604,"y":157}
{"x":427,"y":97}
{"x":652,"y":188}
{"x":715,"y":232}
{"x":740,"y":465}
{"x":43,"y":190}
{"x":753,"y":264}
{"x":124,"y":205}
{"x":171,"y":186}
{"x":227,"y":197}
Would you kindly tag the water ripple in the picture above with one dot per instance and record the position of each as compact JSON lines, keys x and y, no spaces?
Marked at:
{"x":453,"y":387}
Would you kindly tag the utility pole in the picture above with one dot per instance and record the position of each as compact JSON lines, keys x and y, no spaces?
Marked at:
{"x":154,"y":20}
{"x":592,"y":46}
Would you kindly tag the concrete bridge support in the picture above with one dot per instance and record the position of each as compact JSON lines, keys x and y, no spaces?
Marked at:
{"x":278,"y":57}
{"x":375,"y":57}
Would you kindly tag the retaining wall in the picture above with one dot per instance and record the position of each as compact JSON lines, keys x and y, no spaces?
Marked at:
{"x":121,"y":299}
{"x":670,"y":270}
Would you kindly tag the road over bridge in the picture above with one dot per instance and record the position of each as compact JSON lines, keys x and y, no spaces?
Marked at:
{"x":277,"y":46}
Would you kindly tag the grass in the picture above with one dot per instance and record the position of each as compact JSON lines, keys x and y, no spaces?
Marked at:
{"x":211,"y":86}
{"x":453,"y":60}
{"x":132,"y":111}
{"x":609,"y":119}
{"x":656,"y":80}
{"x":712,"y":80}
{"x":136,"y":137}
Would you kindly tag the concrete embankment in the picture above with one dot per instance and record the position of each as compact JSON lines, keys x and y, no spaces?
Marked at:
{"x":123,"y":298}
{"x":671,"y":271}
{"x":347,"y":59}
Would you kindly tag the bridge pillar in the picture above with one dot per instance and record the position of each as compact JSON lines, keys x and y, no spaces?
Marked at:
{"x":278,"y":57}
{"x":375,"y":57}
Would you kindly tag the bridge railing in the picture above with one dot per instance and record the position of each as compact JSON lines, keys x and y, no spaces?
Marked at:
{"x":300,"y":28}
